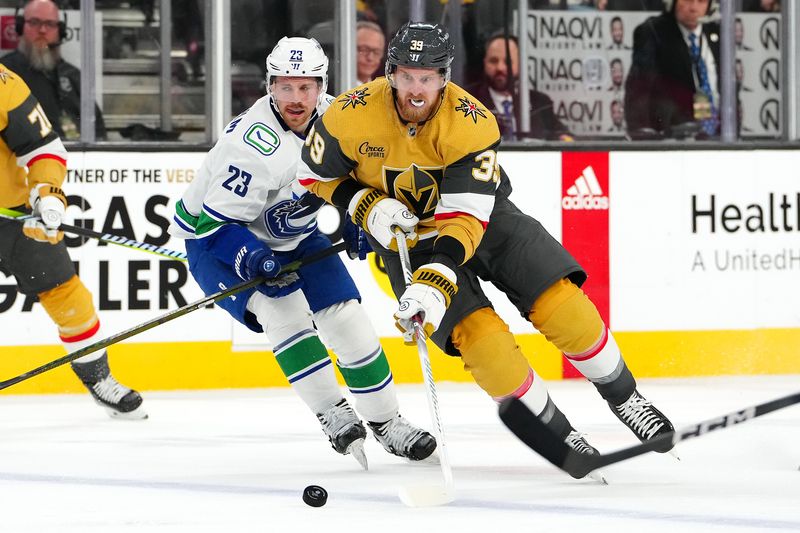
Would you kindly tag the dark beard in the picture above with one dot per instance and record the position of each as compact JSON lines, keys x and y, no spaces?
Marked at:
{"x":41,"y":59}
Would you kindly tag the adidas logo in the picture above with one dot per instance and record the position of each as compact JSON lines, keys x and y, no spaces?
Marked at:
{"x":585,"y":193}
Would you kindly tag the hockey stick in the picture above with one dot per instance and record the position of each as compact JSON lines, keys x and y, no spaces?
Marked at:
{"x":172,"y":315}
{"x":10,"y":214}
{"x":535,"y":433}
{"x":422,"y":495}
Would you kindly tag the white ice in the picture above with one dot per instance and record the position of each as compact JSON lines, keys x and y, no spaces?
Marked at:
{"x":238,"y":460}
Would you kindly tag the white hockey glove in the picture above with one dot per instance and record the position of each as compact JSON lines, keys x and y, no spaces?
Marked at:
{"x":432,"y":287}
{"x":378,"y":215}
{"x":49,"y":204}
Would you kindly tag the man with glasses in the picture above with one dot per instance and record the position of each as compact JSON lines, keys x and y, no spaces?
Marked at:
{"x":370,"y":43}
{"x":52,"y":80}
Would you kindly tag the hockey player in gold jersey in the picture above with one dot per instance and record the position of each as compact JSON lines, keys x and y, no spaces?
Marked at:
{"x":33,"y":163}
{"x":415,"y":151}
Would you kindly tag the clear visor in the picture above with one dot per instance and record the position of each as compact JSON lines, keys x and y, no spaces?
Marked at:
{"x":295,"y":90}
{"x":417,"y":80}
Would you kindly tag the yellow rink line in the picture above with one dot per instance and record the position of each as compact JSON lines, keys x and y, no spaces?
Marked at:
{"x":213,"y":365}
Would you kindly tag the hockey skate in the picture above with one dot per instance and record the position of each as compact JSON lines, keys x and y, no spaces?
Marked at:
{"x":117,"y":399}
{"x":345,"y":431}
{"x":644,"y":420}
{"x":577,"y":442}
{"x":400,"y":438}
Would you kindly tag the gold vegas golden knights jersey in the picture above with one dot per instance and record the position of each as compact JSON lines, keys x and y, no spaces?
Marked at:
{"x":444,"y":170}
{"x":30,"y":152}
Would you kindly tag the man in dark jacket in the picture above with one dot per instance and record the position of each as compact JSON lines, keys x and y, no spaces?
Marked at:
{"x":492,"y":91}
{"x":53,"y":81}
{"x":673,"y":77}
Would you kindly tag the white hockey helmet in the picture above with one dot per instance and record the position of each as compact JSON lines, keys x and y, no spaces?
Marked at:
{"x":298,"y":57}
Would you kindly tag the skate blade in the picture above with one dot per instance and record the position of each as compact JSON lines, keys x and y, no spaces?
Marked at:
{"x":136,"y":414}
{"x":426,"y":495}
{"x":356,"y":449}
{"x":597,"y":475}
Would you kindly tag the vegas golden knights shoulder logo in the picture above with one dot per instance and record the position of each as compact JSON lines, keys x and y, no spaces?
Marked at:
{"x":417,"y":187}
{"x":354,"y":98}
{"x":470,"y":109}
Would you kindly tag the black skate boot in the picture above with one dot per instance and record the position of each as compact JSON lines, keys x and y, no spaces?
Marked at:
{"x":118,"y":400}
{"x":400,"y":438}
{"x":644,"y":420}
{"x":345,"y":431}
{"x":577,"y":442}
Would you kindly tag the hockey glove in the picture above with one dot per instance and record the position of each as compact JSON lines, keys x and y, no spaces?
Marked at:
{"x":261,"y":262}
{"x":378,"y":215}
{"x":49,"y":204}
{"x":432,"y":287}
{"x":357,"y":244}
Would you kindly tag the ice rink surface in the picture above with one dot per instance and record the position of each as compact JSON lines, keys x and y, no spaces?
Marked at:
{"x":223,"y":461}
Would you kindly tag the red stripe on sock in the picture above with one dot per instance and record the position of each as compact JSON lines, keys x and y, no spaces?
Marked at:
{"x":82,"y":336}
{"x":521,"y":390}
{"x":592,"y":351}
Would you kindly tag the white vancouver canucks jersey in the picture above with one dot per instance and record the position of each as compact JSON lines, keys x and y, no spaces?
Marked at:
{"x":248,"y":177}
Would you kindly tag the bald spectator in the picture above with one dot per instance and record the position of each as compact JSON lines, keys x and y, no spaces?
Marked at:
{"x":53,"y":81}
{"x":370,"y":45}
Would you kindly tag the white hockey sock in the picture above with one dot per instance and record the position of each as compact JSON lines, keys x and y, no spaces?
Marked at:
{"x":347,"y":330}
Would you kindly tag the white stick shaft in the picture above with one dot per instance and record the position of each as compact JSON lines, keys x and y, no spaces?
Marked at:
{"x":427,"y":372}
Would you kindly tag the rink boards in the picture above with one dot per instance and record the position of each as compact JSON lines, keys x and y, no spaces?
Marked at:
{"x":693,"y":259}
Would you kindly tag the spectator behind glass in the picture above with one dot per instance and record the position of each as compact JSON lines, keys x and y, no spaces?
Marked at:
{"x":673,"y":76}
{"x":762,"y":6}
{"x":53,"y":81}
{"x":370,"y":45}
{"x":492,"y":91}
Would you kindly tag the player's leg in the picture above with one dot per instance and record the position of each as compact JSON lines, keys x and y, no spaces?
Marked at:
{"x":542,"y":280}
{"x":300,"y":354}
{"x":472,"y":330}
{"x":567,"y":318}
{"x":347,"y":330}
{"x":491,"y":354}
{"x":46,"y":270}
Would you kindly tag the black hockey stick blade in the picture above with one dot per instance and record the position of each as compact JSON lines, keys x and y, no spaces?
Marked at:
{"x":167,"y":317}
{"x":536,"y":435}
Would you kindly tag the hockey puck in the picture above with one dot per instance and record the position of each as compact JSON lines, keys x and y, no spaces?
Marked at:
{"x":315,"y":496}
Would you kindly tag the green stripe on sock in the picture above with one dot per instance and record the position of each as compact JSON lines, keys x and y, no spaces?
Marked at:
{"x":368,"y":375}
{"x":302,"y":355}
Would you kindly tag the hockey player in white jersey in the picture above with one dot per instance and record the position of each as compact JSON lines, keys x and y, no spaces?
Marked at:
{"x":242,"y":217}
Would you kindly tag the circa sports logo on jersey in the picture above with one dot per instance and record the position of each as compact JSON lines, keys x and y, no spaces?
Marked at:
{"x":417,"y":187}
{"x":371,"y":151}
{"x":354,"y":98}
{"x":470,"y":109}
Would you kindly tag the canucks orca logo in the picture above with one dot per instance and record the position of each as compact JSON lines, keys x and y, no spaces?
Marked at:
{"x":291,"y":218}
